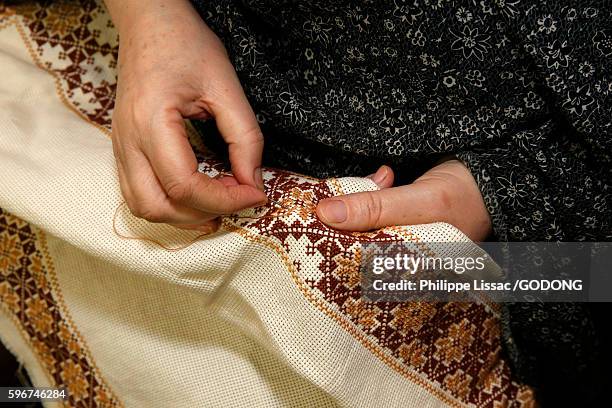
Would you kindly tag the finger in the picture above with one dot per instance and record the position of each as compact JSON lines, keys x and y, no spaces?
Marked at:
{"x":146,"y":198}
{"x":383,"y":177}
{"x":238,"y":126}
{"x":206,"y":228}
{"x":171,"y":156}
{"x":228,"y":181}
{"x":124,"y":186}
{"x":405,"y":205}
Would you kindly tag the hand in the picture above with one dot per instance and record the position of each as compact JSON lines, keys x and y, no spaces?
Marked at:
{"x":171,"y":67}
{"x":447,"y":193}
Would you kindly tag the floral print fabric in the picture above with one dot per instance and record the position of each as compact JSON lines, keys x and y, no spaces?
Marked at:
{"x":519,"y":90}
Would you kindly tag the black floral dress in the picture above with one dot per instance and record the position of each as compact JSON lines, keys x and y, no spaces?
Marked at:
{"x":520,"y":91}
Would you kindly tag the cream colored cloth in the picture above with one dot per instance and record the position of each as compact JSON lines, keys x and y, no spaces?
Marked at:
{"x":287,"y":330}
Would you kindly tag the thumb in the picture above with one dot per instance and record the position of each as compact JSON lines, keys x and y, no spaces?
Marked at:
{"x":416,"y":203}
{"x":239,"y":128}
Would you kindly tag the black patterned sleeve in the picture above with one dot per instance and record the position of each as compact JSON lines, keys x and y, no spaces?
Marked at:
{"x":553,"y":184}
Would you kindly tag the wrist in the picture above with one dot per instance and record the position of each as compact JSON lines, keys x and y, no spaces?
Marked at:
{"x":139,"y":16}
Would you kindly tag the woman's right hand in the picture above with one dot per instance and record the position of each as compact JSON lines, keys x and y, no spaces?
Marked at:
{"x":171,"y":67}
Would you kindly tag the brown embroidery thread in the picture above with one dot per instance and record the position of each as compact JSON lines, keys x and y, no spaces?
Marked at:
{"x":274,"y":214}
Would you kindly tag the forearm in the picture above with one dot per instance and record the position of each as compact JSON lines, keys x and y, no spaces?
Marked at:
{"x":125,"y":13}
{"x":160,"y":27}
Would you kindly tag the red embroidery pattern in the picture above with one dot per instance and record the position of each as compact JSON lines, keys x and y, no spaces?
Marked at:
{"x":72,"y":40}
{"x":27,"y":294}
{"x":455,"y":345}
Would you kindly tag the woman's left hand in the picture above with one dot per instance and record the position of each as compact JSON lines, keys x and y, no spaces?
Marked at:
{"x":446,"y":193}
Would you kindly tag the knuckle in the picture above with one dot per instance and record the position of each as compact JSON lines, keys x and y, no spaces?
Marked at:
{"x":179,"y":190}
{"x":254,"y":135}
{"x":441,"y":202}
{"x":372,"y":209}
{"x":251,"y":136}
{"x":135,"y":209}
{"x":153,"y":216}
{"x":139,"y":117}
{"x":146,"y":212}
{"x":140,"y":112}
{"x":232,"y":203}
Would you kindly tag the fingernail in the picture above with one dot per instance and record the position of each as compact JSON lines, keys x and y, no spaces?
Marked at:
{"x":210,"y":227}
{"x":333,"y":210}
{"x":259,"y":178}
{"x":379,"y":176}
{"x":206,"y":230}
